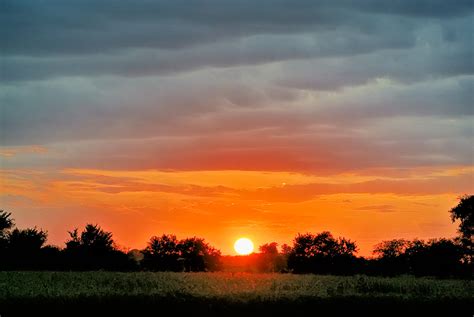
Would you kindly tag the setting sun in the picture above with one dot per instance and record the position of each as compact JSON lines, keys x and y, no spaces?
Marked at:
{"x":243,"y":246}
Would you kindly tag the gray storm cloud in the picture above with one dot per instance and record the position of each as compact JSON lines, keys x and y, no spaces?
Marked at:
{"x":307,"y":82}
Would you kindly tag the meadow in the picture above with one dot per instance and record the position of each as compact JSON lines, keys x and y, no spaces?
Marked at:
{"x":89,"y":293}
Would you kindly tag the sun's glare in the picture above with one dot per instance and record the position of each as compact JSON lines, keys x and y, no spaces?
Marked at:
{"x":243,"y":246}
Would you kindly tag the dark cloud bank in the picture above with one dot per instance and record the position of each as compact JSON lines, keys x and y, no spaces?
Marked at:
{"x":386,"y":83}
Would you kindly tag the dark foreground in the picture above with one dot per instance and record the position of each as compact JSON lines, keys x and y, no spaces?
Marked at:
{"x":154,"y":294}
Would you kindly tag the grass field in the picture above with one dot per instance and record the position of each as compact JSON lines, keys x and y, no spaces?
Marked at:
{"x":79,"y":293}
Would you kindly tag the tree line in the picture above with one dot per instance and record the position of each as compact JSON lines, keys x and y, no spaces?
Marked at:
{"x":322,"y":253}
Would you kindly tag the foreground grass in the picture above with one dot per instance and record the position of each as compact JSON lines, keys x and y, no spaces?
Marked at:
{"x":98,"y":292}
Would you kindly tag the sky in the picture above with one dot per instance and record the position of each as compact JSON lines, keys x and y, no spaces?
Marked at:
{"x":230,"y":118}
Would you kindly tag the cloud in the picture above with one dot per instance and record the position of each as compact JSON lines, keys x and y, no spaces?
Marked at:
{"x":88,"y":26}
{"x":304,"y":192}
{"x":251,"y":50}
{"x":432,"y":57}
{"x":318,"y":87}
{"x":182,"y":186}
{"x":9,"y":152}
{"x":378,"y":208}
{"x":51,"y":39}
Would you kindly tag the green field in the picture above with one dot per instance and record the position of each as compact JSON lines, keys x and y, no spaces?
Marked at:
{"x":98,"y":292}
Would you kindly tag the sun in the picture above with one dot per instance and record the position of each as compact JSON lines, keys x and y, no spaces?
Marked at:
{"x":243,"y":246}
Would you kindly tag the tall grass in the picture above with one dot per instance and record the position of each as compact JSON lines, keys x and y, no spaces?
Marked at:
{"x":221,"y":291}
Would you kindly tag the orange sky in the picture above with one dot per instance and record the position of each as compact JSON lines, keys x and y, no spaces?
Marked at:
{"x":222,"y":206}
{"x":237,"y":118}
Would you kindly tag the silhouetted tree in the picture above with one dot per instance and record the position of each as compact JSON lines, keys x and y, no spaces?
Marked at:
{"x":437,"y":257}
{"x":391,"y":248}
{"x":94,"y":249}
{"x":166,"y":253}
{"x":27,"y":240}
{"x":464,"y":212}
{"x":197,"y":255}
{"x":322,"y":253}
{"x":6,"y":223}
{"x":269,"y":259}
{"x":93,"y":239}
{"x":23,"y":248}
{"x":51,"y":258}
{"x":269,"y":248}
{"x":286,"y":249}
{"x":391,"y":257}
{"x":162,"y":254}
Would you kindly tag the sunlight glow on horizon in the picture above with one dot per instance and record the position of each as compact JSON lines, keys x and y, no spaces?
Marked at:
{"x":136,"y":205}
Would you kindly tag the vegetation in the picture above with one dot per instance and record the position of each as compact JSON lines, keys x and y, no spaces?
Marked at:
{"x":322,"y":253}
{"x":6,"y":223}
{"x":94,"y":249}
{"x":87,"y":292}
{"x":464,"y":212}
{"x":437,"y":257}
{"x":166,"y":253}
{"x":362,"y":291}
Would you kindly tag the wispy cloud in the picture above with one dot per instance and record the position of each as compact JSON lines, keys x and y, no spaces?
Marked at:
{"x":18,"y":150}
